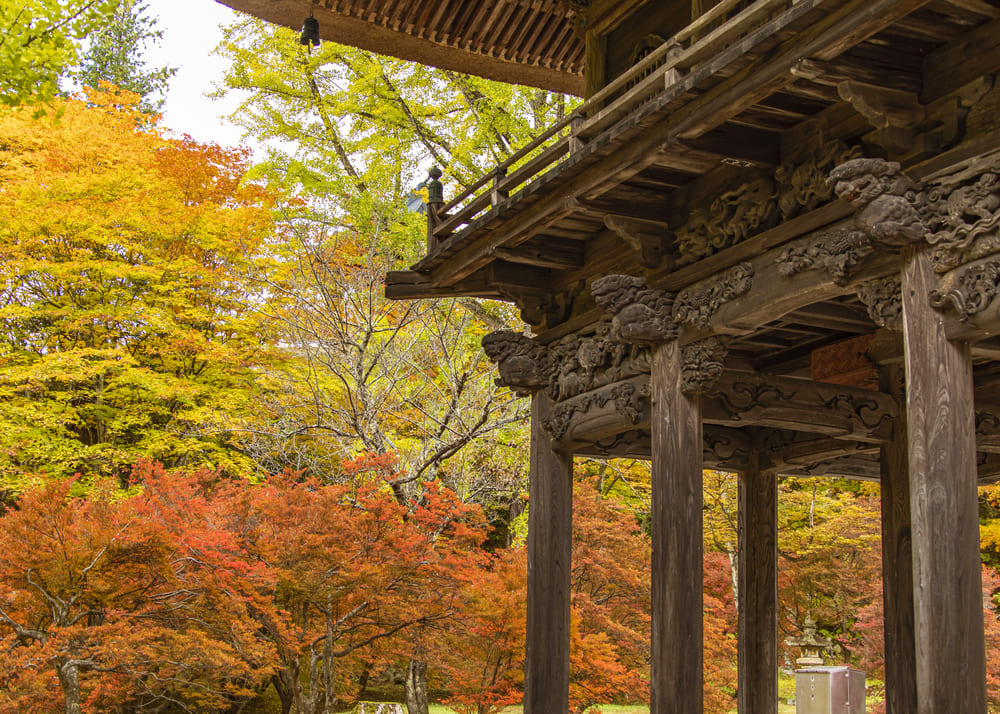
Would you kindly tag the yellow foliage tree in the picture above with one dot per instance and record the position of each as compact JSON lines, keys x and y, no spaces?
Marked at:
{"x":125,"y":329}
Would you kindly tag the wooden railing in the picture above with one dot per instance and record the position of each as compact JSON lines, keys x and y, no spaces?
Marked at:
{"x":666,"y":66}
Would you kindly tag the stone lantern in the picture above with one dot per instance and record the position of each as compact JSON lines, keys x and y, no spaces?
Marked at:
{"x":811,"y":644}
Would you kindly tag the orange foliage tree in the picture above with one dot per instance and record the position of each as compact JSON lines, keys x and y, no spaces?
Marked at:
{"x":482,"y":657}
{"x":354,"y":571}
{"x":140,"y":600}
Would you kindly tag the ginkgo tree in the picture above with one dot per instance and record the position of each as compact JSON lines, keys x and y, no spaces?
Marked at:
{"x":352,"y":132}
{"x":125,"y":328}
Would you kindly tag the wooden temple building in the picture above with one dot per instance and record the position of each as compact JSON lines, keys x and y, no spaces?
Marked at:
{"x":767,"y":242}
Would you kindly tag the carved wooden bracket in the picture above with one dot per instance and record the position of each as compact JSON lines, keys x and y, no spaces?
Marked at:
{"x":646,"y":238}
{"x":885,"y":200}
{"x":702,"y":363}
{"x":617,"y":404}
{"x":641,"y":315}
{"x":522,"y":362}
{"x":892,"y":112}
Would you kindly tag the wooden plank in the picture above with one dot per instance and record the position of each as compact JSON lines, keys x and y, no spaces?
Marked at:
{"x":951,"y":670}
{"x":550,"y":532}
{"x":559,"y":254}
{"x":677,"y":648}
{"x":970,"y":55}
{"x":897,"y":560}
{"x":846,"y":362}
{"x":604,"y":15}
{"x":857,"y":468}
{"x":757,"y":601}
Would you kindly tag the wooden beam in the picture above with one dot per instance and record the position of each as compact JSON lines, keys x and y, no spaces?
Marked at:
{"x":800,"y":404}
{"x":757,"y":597}
{"x":676,"y":647}
{"x":595,"y":63}
{"x":897,"y":561}
{"x":858,"y":468}
{"x":546,"y":665}
{"x":742,"y":399}
{"x":843,"y":28}
{"x":411,"y":285}
{"x":723,"y":449}
{"x":951,"y":669}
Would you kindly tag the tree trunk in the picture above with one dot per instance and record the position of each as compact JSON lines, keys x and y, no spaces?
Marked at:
{"x":69,"y":681}
{"x":284,"y":694}
{"x":416,"y":688}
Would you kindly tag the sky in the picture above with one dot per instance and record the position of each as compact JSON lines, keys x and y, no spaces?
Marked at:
{"x":190,"y":33}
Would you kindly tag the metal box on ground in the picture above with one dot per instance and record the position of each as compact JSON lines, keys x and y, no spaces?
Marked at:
{"x":829,"y":690}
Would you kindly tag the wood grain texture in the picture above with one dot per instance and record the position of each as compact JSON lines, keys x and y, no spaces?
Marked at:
{"x":546,"y":664}
{"x":897,"y":560}
{"x":951,"y":670}
{"x":757,"y":633}
{"x":677,"y":648}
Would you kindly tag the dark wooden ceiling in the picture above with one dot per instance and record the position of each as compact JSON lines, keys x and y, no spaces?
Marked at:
{"x":530,"y":42}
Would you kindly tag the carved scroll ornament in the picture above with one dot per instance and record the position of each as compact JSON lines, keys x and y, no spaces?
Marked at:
{"x":837,"y":251}
{"x":641,"y":314}
{"x":730,"y":218}
{"x":970,"y":290}
{"x":802,"y":186}
{"x":628,"y":400}
{"x":885,"y":200}
{"x":697,"y":304}
{"x":828,"y":408}
{"x":702,"y":363}
{"x":963,"y":214}
{"x":884,"y":302}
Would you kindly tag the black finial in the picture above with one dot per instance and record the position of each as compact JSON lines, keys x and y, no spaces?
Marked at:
{"x":310,"y":31}
{"x":435,"y":191}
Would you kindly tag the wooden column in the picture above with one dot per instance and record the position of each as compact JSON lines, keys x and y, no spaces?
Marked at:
{"x":677,"y":647}
{"x":546,"y":665}
{"x":757,"y":599}
{"x":951,"y":670}
{"x":897,"y":560}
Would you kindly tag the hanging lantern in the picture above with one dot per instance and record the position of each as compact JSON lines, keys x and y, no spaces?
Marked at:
{"x":310,"y":32}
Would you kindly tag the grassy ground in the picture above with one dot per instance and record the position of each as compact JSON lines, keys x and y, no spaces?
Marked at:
{"x":786,"y":693}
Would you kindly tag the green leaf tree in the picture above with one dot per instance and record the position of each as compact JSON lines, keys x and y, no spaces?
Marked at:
{"x":115,"y":55}
{"x":39,"y":41}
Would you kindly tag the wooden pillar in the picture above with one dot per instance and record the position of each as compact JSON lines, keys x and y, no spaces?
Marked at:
{"x":948,"y":610}
{"x":897,"y":560}
{"x":546,"y":665}
{"x":677,"y":647}
{"x":757,"y":599}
